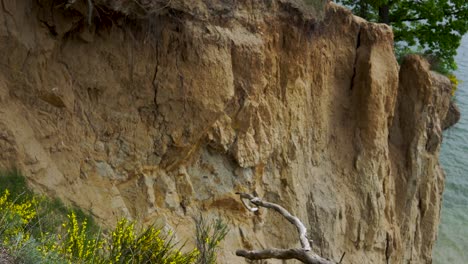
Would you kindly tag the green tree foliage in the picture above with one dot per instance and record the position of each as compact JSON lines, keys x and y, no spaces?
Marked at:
{"x":434,"y":27}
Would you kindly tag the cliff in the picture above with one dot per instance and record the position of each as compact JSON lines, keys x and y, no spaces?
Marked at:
{"x":160,"y":111}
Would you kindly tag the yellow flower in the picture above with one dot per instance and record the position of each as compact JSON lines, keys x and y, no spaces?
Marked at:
{"x":453,"y":79}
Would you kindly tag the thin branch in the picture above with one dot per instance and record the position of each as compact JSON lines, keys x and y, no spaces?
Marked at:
{"x":342,"y":257}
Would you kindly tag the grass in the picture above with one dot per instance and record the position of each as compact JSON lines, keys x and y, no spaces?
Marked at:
{"x":16,"y":184}
{"x":209,"y":235}
{"x":36,"y":229}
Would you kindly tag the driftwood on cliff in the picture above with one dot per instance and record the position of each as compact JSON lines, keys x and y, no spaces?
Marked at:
{"x":303,"y":254}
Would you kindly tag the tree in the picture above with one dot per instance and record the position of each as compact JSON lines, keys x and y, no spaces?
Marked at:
{"x":433,"y":27}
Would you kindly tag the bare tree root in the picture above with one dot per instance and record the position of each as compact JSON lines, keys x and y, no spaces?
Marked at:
{"x":304,"y":254}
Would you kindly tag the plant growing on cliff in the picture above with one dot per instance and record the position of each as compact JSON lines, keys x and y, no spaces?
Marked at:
{"x":453,"y":79}
{"x":435,"y":27}
{"x":14,"y":219}
{"x":35,"y":229}
{"x":208,"y":236}
{"x":75,"y":244}
{"x":151,"y":245}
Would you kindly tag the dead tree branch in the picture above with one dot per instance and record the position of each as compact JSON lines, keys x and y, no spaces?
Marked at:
{"x":291,"y":218}
{"x":303,"y":254}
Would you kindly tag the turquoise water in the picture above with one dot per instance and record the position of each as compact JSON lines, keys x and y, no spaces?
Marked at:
{"x":452,"y":243}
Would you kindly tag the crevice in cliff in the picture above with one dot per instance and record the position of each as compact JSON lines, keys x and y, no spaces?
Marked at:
{"x":130,"y":53}
{"x":52,"y":28}
{"x":28,"y":55}
{"x":93,"y":127}
{"x":421,"y":208}
{"x":358,"y":44}
{"x":387,"y":249}
{"x":153,"y":81}
{"x":182,"y":85}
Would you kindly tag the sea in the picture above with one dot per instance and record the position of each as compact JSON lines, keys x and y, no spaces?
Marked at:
{"x":452,"y":241}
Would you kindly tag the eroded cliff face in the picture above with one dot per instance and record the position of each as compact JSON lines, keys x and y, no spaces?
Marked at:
{"x":162,"y":117}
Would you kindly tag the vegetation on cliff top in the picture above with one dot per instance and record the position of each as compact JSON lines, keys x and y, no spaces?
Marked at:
{"x":433,"y":27}
{"x":35,"y":229}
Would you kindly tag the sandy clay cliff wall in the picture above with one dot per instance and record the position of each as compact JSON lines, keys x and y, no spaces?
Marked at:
{"x":159,"y":116}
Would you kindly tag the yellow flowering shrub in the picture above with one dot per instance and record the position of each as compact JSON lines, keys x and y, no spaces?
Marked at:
{"x":148,"y":246}
{"x":76,"y":244}
{"x":453,"y":79}
{"x":31,"y":229}
{"x":122,"y":245}
{"x":14,"y":218}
